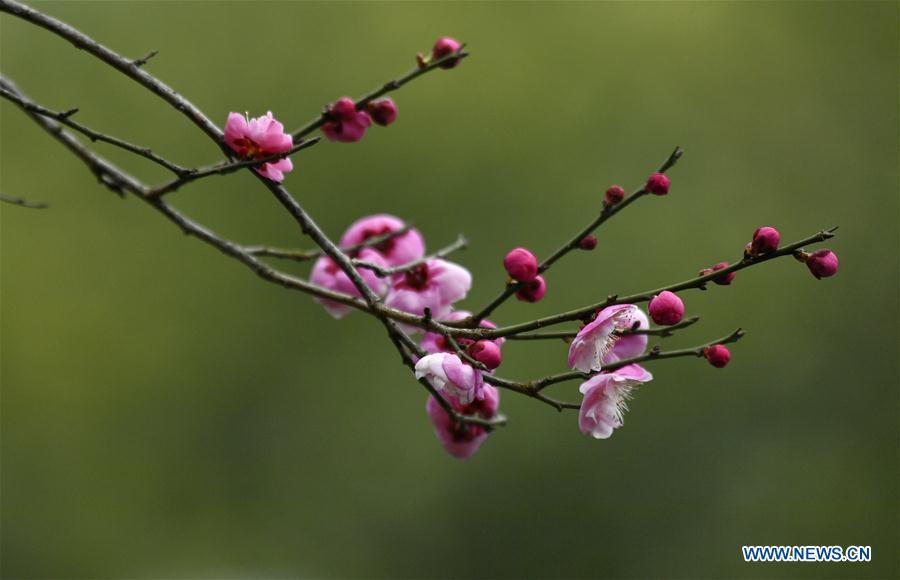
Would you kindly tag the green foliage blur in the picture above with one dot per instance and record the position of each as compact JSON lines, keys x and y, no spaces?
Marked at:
{"x":167,"y":414}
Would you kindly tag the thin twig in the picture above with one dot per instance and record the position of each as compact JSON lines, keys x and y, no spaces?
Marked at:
{"x":306,"y":255}
{"x":661,"y":331}
{"x":585,"y":311}
{"x":64,"y":118}
{"x":383,"y":90}
{"x":608,"y":211}
{"x":21,"y":201}
{"x":143,"y":60}
{"x":653,"y":354}
{"x":383,"y":272}
{"x":224,"y":168}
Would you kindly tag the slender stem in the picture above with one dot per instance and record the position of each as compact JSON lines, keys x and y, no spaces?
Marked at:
{"x":694,"y":283}
{"x":306,"y":255}
{"x":573,"y":243}
{"x":382,"y":90}
{"x":654,"y":354}
{"x":21,"y":201}
{"x":662,"y":331}
{"x":64,"y":118}
{"x":383,"y":272}
{"x":129,"y":68}
{"x":224,"y":168}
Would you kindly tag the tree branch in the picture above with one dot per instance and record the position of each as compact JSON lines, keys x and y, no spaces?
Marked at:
{"x":573,"y":243}
{"x":383,"y":272}
{"x":654,"y":354}
{"x":383,"y":90}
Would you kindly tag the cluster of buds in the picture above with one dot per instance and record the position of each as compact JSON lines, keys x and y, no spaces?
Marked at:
{"x":522,"y":267}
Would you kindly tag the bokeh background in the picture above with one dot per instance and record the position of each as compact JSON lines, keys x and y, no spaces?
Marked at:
{"x":167,"y":414}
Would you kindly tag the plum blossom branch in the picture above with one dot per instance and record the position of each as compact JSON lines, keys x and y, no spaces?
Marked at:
{"x":654,"y":354}
{"x":452,"y":370}
{"x":698,"y":282}
{"x":662,"y":331}
{"x":384,"y":89}
{"x":608,"y":211}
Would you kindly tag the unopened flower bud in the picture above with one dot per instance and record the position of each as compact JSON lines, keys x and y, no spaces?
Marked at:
{"x":822,"y":263}
{"x":383,"y":111}
{"x":614,"y":195}
{"x":487,"y":353}
{"x":588,"y":242}
{"x":532,"y":290}
{"x":521,"y":264}
{"x":666,"y":308}
{"x":724,"y":279}
{"x":657,"y":184}
{"x":717,"y":355}
{"x":444,"y":46}
{"x":765,"y":240}
{"x":343,"y":109}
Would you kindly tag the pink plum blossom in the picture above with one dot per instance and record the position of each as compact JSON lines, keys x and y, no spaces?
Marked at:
{"x":462,"y":441}
{"x":629,"y":345}
{"x":434,"y":284}
{"x":328,"y":274}
{"x":398,"y":250}
{"x":605,"y":399}
{"x":593,"y":345}
{"x":434,"y":342}
{"x":345,"y":123}
{"x":258,"y":138}
{"x":448,"y":374}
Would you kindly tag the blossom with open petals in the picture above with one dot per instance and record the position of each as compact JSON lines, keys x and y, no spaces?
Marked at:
{"x":462,"y":441}
{"x":258,"y":138}
{"x":457,"y":381}
{"x":434,"y":284}
{"x":397,"y":250}
{"x":594,"y":343}
{"x":328,"y":274}
{"x":605,"y":399}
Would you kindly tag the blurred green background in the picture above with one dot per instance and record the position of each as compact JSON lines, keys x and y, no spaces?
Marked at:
{"x":167,"y":414}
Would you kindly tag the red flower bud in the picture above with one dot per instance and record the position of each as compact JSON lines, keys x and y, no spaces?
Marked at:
{"x":521,"y":264}
{"x":666,"y":308}
{"x":614,"y":195}
{"x":822,"y":263}
{"x":383,"y":111}
{"x":487,"y":353}
{"x":657,"y":184}
{"x":717,"y":355}
{"x":444,"y":46}
{"x":765,"y":240}
{"x":532,"y":290}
